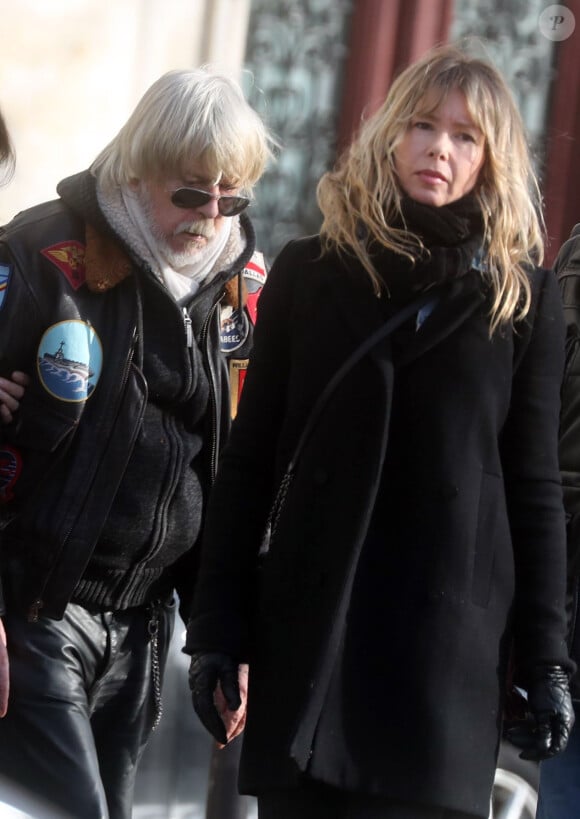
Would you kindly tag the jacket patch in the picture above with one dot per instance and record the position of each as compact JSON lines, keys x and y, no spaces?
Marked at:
{"x":70,"y":360}
{"x":238,"y":367}
{"x":10,"y":467}
{"x":69,"y":257}
{"x":254,"y":278}
{"x":234,"y":329}
{"x":4,"y":279}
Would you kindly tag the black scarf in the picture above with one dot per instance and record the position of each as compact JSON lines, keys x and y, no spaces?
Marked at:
{"x":452,"y":235}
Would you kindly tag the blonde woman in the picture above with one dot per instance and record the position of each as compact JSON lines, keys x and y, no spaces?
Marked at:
{"x":420,"y":542}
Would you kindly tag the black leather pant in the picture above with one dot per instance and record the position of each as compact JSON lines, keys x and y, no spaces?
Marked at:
{"x":81,"y":707}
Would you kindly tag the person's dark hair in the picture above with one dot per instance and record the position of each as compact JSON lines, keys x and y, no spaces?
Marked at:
{"x":6,"y":152}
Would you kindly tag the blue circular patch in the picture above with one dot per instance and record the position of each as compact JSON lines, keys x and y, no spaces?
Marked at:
{"x":70,"y":360}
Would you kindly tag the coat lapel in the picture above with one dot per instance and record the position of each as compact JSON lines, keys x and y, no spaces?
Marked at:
{"x":452,"y":308}
{"x":359,"y":310}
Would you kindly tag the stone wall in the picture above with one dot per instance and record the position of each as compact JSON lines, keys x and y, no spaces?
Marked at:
{"x":72,"y":70}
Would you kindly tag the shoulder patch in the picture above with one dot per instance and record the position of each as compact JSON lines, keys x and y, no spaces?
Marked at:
{"x":10,"y":468}
{"x":69,"y":257}
{"x":254,"y":277}
{"x":70,"y":360}
{"x":234,"y":329}
{"x":237,"y":367}
{"x":5,"y":272}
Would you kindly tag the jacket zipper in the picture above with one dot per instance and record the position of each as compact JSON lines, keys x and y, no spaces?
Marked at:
{"x":188,"y":329}
{"x":203,"y":337}
{"x":190,"y":340}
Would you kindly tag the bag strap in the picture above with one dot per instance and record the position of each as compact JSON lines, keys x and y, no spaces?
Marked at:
{"x":385,"y":330}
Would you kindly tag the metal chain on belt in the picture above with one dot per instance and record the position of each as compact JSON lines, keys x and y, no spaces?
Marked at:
{"x":153,"y":628}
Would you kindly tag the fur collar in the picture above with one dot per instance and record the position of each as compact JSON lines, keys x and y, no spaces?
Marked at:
{"x":107,"y":265}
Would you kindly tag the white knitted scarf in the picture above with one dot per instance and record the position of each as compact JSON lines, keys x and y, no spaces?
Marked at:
{"x":124,"y":211}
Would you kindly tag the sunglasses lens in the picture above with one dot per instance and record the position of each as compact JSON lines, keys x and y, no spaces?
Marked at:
{"x":189,"y":198}
{"x":232,"y":205}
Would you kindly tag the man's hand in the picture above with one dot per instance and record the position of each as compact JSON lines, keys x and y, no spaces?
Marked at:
{"x":4,"y":678}
{"x":551,"y":715}
{"x":11,"y":392}
{"x":216,"y":693}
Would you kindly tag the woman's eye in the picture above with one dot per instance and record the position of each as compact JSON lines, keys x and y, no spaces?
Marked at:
{"x":467,"y":137}
{"x":422,"y":125}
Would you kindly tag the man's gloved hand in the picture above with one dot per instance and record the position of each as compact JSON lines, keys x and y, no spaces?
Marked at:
{"x":550,"y":717}
{"x":206,"y":670}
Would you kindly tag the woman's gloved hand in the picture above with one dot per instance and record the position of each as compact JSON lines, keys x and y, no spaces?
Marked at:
{"x":546,"y":729}
{"x":206,"y":671}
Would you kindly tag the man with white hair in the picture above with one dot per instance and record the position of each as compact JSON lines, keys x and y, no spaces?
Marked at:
{"x":128,"y":302}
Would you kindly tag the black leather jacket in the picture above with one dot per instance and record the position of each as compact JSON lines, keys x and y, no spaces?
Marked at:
{"x":62,"y":459}
{"x":567,"y":267}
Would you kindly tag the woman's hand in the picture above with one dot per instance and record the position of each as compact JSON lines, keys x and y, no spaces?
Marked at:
{"x":546,"y":731}
{"x":11,"y":392}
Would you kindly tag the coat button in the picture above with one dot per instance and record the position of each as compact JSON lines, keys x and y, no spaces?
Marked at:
{"x":448,"y":491}
{"x":319,"y":476}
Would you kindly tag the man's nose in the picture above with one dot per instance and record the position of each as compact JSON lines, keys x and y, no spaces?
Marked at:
{"x":210,"y":210}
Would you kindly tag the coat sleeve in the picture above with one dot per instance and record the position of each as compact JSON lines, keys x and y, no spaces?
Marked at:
{"x":246,"y":478}
{"x":567,"y":268}
{"x":15,"y":354}
{"x":533,"y":485}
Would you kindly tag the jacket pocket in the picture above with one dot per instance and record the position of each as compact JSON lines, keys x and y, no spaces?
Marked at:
{"x":489,"y":528}
{"x":30,"y":449}
{"x":42,"y":430}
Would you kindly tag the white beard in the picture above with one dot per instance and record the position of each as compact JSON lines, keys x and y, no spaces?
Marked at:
{"x":129,"y":214}
{"x":178,"y":260}
{"x":182,"y":272}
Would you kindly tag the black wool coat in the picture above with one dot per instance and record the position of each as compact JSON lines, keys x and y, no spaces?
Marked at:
{"x":470,"y":514}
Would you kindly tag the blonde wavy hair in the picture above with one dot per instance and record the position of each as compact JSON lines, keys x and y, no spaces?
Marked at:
{"x":188,"y":115}
{"x":363,"y":188}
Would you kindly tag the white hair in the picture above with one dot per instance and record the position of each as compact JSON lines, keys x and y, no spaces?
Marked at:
{"x":185,"y":116}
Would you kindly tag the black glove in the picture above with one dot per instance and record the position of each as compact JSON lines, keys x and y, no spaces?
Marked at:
{"x":545,"y":731}
{"x":205,"y":671}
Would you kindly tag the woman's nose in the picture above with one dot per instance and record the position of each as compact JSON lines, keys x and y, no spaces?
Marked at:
{"x":440,"y":146}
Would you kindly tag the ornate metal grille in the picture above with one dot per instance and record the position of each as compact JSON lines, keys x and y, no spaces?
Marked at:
{"x":294,"y":60}
{"x":507,"y":33}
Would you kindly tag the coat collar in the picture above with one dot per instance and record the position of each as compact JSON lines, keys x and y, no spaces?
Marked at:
{"x":108,"y":261}
{"x":363,"y":314}
{"x":455,"y":304}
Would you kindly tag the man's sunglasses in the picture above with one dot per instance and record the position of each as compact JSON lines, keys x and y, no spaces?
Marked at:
{"x":190,"y":198}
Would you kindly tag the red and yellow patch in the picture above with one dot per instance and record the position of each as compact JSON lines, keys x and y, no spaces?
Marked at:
{"x":69,"y":257}
{"x":254,"y":278}
{"x":238,"y":367}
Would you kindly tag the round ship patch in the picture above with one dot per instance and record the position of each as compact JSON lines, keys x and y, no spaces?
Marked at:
{"x":70,"y":360}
